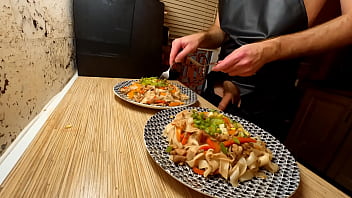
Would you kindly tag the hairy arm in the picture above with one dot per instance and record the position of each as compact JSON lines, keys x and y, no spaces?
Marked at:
{"x":213,"y":37}
{"x":248,"y":59}
{"x":333,"y":34}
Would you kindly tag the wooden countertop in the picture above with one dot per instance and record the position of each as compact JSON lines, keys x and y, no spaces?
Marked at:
{"x":92,"y":146}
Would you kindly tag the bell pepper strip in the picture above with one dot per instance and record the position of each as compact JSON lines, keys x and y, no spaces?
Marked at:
{"x":238,"y":140}
{"x":228,"y":143}
{"x":142,"y":91}
{"x":198,"y":171}
{"x":182,"y":135}
{"x":173,"y":104}
{"x":185,"y":138}
{"x":246,"y":139}
{"x":206,"y":147}
{"x":130,"y":94}
{"x":213,"y":144}
{"x":160,"y":101}
{"x":227,"y":121}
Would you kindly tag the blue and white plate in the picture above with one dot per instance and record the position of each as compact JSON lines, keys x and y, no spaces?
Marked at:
{"x":280,"y":184}
{"x":192,"y":96}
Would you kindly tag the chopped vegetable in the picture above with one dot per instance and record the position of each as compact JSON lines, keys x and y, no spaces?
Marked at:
{"x":216,"y":146}
{"x":160,"y":101}
{"x":223,"y":148}
{"x":173,"y":104}
{"x":168,"y":149}
{"x":228,"y":143}
{"x":155,"y":91}
{"x":213,"y":144}
{"x":198,"y":171}
{"x":205,"y":148}
{"x":246,"y":139}
{"x":154,"y":81}
{"x":238,"y":140}
{"x":235,"y":139}
{"x":130,"y":94}
{"x":185,"y":138}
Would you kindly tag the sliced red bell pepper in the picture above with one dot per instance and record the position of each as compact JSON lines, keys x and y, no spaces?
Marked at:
{"x":198,"y":171}
{"x":241,"y":140}
{"x":213,"y":144}
{"x":228,"y":143}
{"x":185,"y":138}
{"x":206,"y":147}
{"x":173,"y":104}
{"x":160,"y":101}
{"x":226,"y":120}
{"x":246,"y":139}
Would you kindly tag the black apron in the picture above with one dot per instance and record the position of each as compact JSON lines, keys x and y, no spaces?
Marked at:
{"x":249,"y":21}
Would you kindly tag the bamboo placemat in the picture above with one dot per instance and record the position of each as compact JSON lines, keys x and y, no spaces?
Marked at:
{"x":92,"y":146}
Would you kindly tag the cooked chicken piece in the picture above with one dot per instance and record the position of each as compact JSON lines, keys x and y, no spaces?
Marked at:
{"x":178,"y":158}
{"x":179,"y":151}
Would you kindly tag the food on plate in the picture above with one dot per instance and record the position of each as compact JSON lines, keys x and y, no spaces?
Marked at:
{"x":155,"y":91}
{"x":214,"y":144}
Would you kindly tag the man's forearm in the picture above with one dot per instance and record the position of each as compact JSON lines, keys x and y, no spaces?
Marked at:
{"x":212,"y":38}
{"x":333,"y":34}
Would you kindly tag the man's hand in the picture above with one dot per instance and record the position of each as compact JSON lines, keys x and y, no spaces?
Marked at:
{"x":181,"y":47}
{"x":244,"y":61}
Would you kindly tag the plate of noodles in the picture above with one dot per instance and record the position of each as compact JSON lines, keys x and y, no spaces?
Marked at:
{"x":155,"y":93}
{"x":220,"y":155}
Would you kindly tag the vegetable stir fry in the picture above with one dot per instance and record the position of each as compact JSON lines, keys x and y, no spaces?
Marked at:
{"x":155,"y":91}
{"x":214,"y":144}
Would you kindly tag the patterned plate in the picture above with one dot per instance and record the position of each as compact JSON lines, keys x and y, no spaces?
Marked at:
{"x":280,"y":184}
{"x":191,"y":94}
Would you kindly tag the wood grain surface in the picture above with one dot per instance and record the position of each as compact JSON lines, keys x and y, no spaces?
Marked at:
{"x":92,"y":146}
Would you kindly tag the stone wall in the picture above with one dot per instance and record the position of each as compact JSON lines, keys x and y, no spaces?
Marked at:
{"x":36,"y":60}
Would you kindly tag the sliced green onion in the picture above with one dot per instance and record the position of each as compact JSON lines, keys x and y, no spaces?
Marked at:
{"x":236,"y":140}
{"x":168,"y":149}
{"x":223,"y":148}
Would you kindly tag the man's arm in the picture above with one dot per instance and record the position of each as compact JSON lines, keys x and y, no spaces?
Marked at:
{"x":212,"y":38}
{"x":248,"y":59}
{"x":346,"y":6}
{"x":333,"y":34}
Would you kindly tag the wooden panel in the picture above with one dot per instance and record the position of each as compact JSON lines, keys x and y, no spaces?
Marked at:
{"x":340,"y":169}
{"x":188,"y":17}
{"x":318,"y":129}
{"x":184,"y":28}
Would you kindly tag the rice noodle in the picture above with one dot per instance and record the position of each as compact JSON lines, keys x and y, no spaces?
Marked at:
{"x":155,"y":91}
{"x":236,"y":162}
